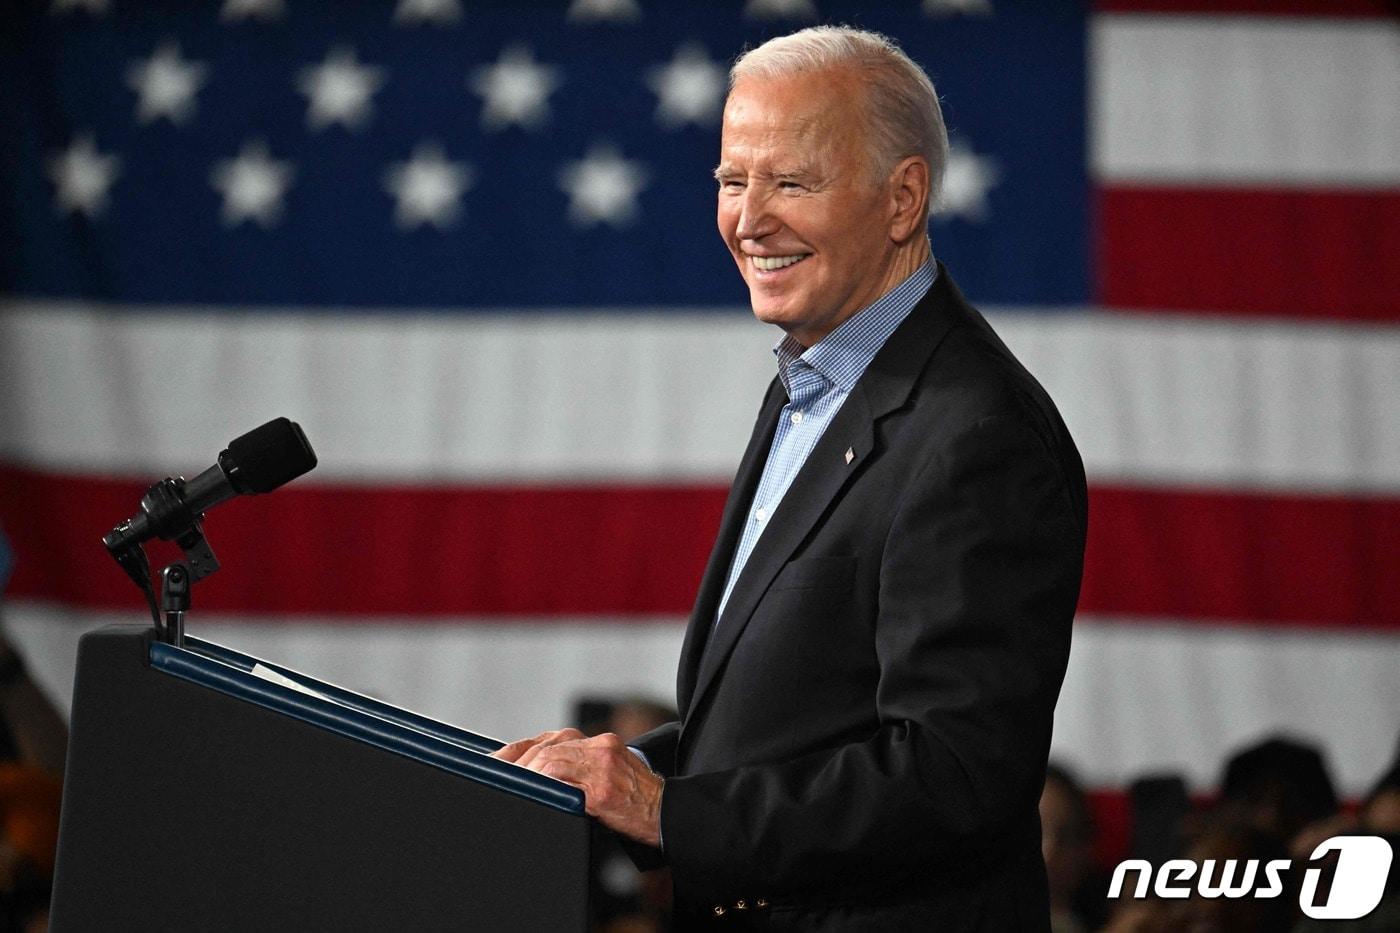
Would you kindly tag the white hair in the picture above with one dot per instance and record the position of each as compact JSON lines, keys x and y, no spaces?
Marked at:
{"x":904,"y":116}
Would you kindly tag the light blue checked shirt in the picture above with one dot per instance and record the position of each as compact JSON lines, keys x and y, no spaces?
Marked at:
{"x":818,"y":379}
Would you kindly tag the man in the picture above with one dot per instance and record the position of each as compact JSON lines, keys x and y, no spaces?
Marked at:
{"x":868,"y":679}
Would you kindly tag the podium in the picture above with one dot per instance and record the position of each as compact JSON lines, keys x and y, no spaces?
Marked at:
{"x":201,"y":796}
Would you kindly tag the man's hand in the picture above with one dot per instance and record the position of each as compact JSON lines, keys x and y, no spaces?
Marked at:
{"x":619,"y":790}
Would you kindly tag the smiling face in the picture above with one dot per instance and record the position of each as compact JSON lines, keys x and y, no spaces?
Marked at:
{"x":816,"y":232}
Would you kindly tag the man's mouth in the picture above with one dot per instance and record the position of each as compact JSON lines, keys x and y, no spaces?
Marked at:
{"x":774,"y":263}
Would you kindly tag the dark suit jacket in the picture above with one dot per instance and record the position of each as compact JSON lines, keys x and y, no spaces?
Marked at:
{"x":863,"y":737}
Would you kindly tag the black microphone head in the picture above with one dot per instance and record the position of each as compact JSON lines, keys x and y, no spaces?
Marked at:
{"x":267,"y":457}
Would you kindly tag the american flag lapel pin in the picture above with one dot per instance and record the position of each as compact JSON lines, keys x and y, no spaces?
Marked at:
{"x":850,"y":455}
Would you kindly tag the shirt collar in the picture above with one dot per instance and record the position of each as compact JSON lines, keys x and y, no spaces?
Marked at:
{"x":841,"y":357}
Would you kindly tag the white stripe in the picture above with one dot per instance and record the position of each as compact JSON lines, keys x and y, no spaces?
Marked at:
{"x":397,"y":396}
{"x":1138,"y":698}
{"x":1150,"y":698}
{"x":1259,"y":100}
{"x":504,"y":680}
{"x":1185,"y":400}
{"x":1154,"y":399}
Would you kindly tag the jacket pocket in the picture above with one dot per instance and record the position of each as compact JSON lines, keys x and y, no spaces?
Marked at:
{"x":816,"y":573}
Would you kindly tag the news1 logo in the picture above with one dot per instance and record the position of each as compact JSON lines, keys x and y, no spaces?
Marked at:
{"x":1358,"y":882}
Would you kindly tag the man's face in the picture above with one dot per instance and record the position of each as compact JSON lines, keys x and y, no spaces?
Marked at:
{"x":799,"y":205}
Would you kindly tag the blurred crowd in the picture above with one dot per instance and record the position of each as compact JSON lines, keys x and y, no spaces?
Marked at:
{"x":33,"y":743}
{"x":1276,"y":800}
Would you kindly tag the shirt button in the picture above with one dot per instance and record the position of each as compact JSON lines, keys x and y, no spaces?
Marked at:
{"x":761,"y":515}
{"x":797,"y":417}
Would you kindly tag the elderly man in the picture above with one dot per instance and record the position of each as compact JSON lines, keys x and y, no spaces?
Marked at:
{"x":867,"y":683}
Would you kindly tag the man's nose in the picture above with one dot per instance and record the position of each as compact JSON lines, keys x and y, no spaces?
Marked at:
{"x":756,"y":219}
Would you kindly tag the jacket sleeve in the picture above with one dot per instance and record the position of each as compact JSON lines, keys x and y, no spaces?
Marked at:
{"x":978,"y":581}
{"x":658,"y":747}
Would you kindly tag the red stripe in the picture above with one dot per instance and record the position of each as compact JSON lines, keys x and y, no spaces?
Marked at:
{"x":384,"y":550}
{"x":1298,"y":253}
{"x":631,"y":550}
{"x":1111,"y":812}
{"x":1320,"y":8}
{"x":1317,"y":560}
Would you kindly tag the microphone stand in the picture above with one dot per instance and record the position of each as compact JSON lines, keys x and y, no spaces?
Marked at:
{"x":175,"y":523}
{"x":174,"y":602}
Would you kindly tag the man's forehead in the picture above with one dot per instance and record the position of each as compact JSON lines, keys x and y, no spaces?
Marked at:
{"x":769,"y":124}
{"x":762,"y":123}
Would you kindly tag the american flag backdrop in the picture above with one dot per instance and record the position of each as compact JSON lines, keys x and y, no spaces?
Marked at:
{"x":470,"y":247}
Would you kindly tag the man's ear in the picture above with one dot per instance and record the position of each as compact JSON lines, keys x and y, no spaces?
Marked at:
{"x":909,"y":189}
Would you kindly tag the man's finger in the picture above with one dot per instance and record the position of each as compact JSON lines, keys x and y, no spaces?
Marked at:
{"x":528,"y":759}
{"x":562,"y":738}
{"x":563,"y":770}
{"x":557,"y":751}
{"x":515,"y":751}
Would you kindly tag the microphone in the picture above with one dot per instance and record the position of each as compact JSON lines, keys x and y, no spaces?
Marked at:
{"x":258,"y":462}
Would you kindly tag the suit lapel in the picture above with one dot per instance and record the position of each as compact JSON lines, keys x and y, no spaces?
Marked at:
{"x":741,"y":493}
{"x":816,"y":484}
{"x":884,"y":387}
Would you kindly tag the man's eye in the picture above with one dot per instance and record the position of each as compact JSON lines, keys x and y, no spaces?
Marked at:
{"x":789,"y":186}
{"x":732,"y":184}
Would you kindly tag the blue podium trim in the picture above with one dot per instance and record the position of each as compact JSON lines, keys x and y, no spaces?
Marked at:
{"x":441,"y":730}
{"x":360,"y":718}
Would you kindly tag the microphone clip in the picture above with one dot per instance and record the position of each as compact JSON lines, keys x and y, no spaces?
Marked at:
{"x":166,"y":515}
